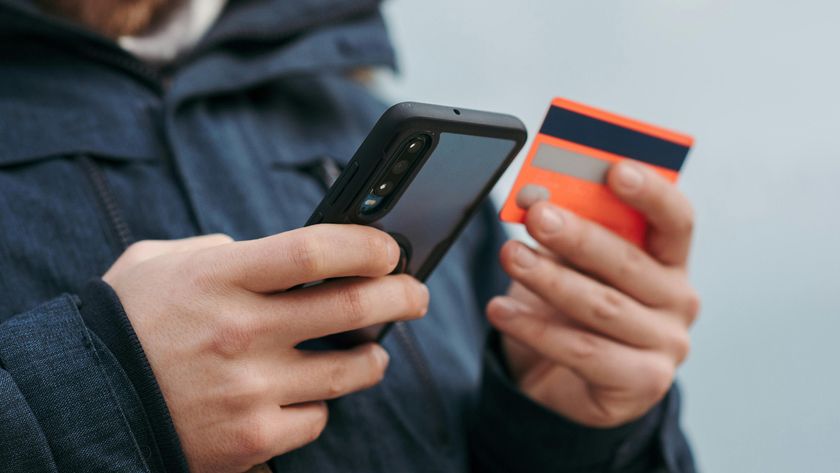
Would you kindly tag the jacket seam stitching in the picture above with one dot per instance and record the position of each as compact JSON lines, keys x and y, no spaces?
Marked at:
{"x":95,"y":354}
{"x":109,"y":203}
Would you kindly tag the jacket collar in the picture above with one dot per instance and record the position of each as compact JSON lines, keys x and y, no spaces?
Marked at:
{"x":66,"y":102}
{"x":271,"y":20}
{"x":257,"y":20}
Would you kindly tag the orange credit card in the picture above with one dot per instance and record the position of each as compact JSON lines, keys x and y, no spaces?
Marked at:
{"x":572,"y":153}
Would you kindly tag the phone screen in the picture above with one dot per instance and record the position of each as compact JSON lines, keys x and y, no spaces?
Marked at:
{"x":442,"y":193}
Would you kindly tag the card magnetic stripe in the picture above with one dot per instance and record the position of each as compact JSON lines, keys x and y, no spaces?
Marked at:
{"x":612,"y":138}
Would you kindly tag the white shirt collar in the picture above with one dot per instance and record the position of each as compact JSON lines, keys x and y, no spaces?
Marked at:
{"x":177,"y":34}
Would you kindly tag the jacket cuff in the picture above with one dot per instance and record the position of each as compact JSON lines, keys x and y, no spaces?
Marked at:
{"x":512,"y":432}
{"x":70,"y":388}
{"x":104,"y":315}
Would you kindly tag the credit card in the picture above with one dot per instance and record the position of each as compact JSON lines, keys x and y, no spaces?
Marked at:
{"x":570,"y":157}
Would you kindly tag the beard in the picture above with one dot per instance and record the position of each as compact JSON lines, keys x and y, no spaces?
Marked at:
{"x":112,"y":18}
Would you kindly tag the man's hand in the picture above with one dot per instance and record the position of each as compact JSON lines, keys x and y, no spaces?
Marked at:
{"x":595,"y":327}
{"x":220,"y":332}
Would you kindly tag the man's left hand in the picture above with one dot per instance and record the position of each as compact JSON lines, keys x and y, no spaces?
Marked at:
{"x":595,"y":327}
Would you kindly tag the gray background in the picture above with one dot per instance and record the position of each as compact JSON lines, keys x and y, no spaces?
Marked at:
{"x":756,"y":83}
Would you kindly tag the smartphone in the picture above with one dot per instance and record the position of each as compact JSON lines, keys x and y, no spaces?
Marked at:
{"x":420,"y":175}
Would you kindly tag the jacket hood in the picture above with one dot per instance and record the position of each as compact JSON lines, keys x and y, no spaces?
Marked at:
{"x":59,"y":79}
{"x":243,"y":24}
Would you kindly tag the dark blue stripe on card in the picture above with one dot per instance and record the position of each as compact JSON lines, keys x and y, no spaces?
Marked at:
{"x":605,"y":136}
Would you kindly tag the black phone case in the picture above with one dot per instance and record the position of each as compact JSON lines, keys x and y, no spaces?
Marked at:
{"x":396,"y":125}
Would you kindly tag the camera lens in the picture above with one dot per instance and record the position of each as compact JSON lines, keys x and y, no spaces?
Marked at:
{"x":383,"y":188}
{"x":370,"y":204}
{"x":400,"y":167}
{"x":415,"y":145}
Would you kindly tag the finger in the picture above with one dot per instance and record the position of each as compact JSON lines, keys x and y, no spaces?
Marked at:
{"x":649,"y":330}
{"x":329,"y":375}
{"x":602,"y":253}
{"x":669,"y":212}
{"x":309,"y":254}
{"x":597,"y":359}
{"x":346,"y":304}
{"x":287,"y":428}
{"x":587,"y":302}
{"x":148,"y":249}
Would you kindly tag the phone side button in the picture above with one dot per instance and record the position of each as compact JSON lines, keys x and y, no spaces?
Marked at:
{"x":343,"y":180}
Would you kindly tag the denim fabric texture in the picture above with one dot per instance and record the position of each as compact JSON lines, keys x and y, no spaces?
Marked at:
{"x":97,"y":151}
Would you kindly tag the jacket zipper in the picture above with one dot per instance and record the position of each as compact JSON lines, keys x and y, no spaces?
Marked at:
{"x":109,"y":202}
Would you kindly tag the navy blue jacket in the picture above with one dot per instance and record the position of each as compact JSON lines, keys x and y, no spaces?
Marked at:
{"x":98,"y":151}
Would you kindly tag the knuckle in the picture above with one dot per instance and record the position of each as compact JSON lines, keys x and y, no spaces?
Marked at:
{"x":232,"y":336}
{"x":607,"y":306}
{"x":242,"y":391}
{"x":354,"y":305}
{"x":557,"y":284}
{"x":254,"y":387}
{"x":631,"y":261}
{"x":337,"y":382}
{"x":252,"y":438}
{"x":308,"y":255}
{"x":584,"y":346}
{"x":535,"y":331}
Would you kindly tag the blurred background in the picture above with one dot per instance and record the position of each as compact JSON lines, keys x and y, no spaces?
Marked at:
{"x":757,"y":83}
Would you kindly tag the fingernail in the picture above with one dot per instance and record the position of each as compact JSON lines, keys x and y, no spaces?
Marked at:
{"x":524,"y":257}
{"x":382,"y":355}
{"x":630,"y":179}
{"x":424,"y":291}
{"x":530,"y":195}
{"x":507,"y":308}
{"x":551,"y":220}
{"x":393,"y":250}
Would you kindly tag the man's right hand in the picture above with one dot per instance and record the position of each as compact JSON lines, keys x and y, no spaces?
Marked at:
{"x":220,"y":332}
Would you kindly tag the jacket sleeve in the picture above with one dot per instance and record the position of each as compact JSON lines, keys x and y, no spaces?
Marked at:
{"x":66,"y":404}
{"x":512,"y":433}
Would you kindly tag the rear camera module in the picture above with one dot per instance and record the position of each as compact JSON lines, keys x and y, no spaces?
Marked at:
{"x":370,"y":204}
{"x":400,"y":167}
{"x":415,"y":145}
{"x":383,"y":188}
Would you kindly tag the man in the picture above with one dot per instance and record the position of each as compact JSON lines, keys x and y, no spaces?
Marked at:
{"x":182,"y":356}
